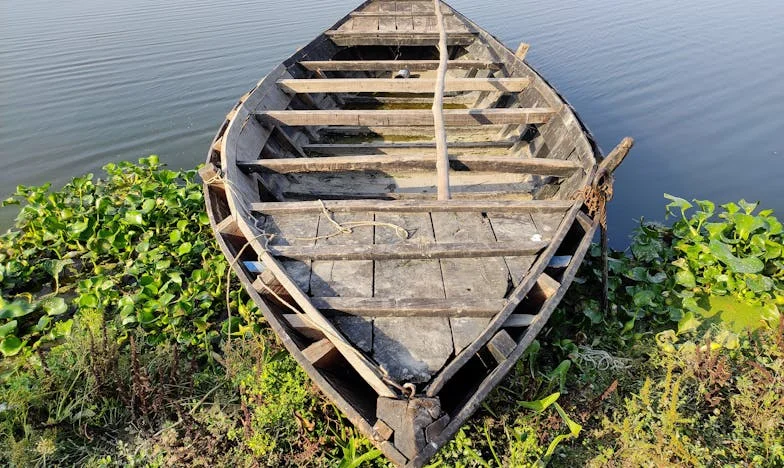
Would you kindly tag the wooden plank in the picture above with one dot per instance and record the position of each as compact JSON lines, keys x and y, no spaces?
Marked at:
{"x":321,"y":353}
{"x":469,"y":278}
{"x":302,"y":324}
{"x":409,"y":356}
{"x":396,"y":85}
{"x":338,"y":195}
{"x":387,"y":23}
{"x":394,"y":65}
{"x":359,"y":362}
{"x":373,"y":147}
{"x":404,"y":22}
{"x":519,"y":320}
{"x":516,"y":227}
{"x":407,"y":117}
{"x":497,"y":374}
{"x":401,"y":163}
{"x":353,"y":38}
{"x":414,"y":206}
{"x":408,"y":251}
{"x":519,"y":293}
{"x":411,"y":307}
{"x":501,"y":346}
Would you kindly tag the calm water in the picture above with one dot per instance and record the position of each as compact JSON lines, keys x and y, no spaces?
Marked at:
{"x":698,"y":84}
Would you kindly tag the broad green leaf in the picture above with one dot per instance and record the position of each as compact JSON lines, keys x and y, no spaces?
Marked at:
{"x":11,"y":345}
{"x":54,"y":306}
{"x":184,"y":248}
{"x":746,"y":224}
{"x":16,"y":309}
{"x":686,"y":279}
{"x":8,"y":328}
{"x":738,"y":265}
{"x":134,"y":218}
{"x":677,"y":202}
{"x":148,"y":205}
{"x":89,"y":300}
{"x":688,"y":323}
{"x":644,"y":298}
{"x":748,"y":207}
{"x":78,"y":227}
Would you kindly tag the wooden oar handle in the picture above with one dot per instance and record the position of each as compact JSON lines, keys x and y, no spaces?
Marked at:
{"x":613,"y":160}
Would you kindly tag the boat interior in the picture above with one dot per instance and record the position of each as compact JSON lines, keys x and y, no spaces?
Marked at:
{"x":321,"y":184}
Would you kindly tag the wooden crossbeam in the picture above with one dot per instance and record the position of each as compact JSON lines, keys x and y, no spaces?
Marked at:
{"x":343,"y":195}
{"x":394,"y":65}
{"x":397,"y":13}
{"x":394,"y":38}
{"x":418,"y":307}
{"x":414,"y":206}
{"x":408,"y":251}
{"x":371,"y":147}
{"x":400,"y":85}
{"x":403,"y":118}
{"x":419,"y":162}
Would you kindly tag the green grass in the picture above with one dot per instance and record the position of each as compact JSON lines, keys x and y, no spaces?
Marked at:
{"x":113,"y":331}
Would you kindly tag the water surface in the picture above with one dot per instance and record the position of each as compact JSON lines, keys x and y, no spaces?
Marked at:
{"x":698,"y":84}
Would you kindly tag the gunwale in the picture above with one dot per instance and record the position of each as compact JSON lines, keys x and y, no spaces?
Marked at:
{"x":229,"y":211}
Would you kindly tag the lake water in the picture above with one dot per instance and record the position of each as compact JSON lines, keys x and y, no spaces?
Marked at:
{"x":699,"y":84}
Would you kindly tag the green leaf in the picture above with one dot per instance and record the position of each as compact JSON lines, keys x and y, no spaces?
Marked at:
{"x":78,"y":227}
{"x":747,"y":224}
{"x":54,"y":306}
{"x":644,"y":298}
{"x":677,"y":202}
{"x":686,"y":279}
{"x":175,"y":236}
{"x":89,"y":300}
{"x":8,"y":328}
{"x":148,"y":205}
{"x":541,"y":404}
{"x":184,"y":248}
{"x":738,"y":265}
{"x":16,"y":309}
{"x":134,"y":218}
{"x":11,"y":345}
{"x":688,"y":323}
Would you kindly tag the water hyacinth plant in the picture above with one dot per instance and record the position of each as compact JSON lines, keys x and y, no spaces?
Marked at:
{"x":113,"y":325}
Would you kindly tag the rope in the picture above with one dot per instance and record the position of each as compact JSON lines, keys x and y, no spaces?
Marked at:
{"x":348,"y":226}
{"x":596,"y":197}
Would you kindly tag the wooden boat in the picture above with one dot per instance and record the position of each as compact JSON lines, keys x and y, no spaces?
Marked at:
{"x":404,"y":309}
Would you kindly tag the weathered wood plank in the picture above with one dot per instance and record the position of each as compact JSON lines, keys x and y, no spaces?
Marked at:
{"x":407,"y":117}
{"x":519,"y":320}
{"x":354,"y":38}
{"x":415,"y":206}
{"x":338,"y":195}
{"x":501,"y":346}
{"x":394,"y":65}
{"x":321,"y":353}
{"x":406,"y":355}
{"x":373,"y":147}
{"x":469,"y":278}
{"x":520,"y":291}
{"x":515,"y":227}
{"x":394,"y":85}
{"x":411,"y":307}
{"x":403,"y":163}
{"x":408,"y":251}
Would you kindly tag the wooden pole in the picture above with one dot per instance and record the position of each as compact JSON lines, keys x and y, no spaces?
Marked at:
{"x":442,"y":156}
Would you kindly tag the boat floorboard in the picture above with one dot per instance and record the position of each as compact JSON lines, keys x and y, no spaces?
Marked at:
{"x":425,"y":291}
